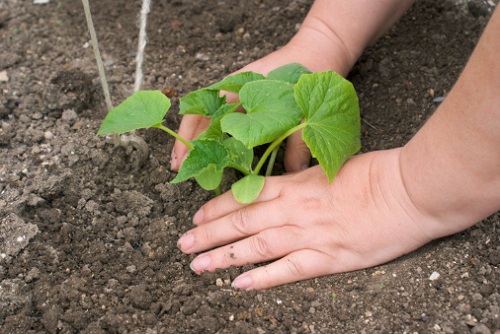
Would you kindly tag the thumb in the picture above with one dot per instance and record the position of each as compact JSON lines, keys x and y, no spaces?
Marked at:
{"x":191,"y":126}
{"x":297,"y":154}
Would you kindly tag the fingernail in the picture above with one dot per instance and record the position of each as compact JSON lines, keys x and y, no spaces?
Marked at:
{"x":186,"y":242}
{"x":198,"y":217}
{"x":200,"y":263}
{"x":173,"y":160}
{"x":242,"y":282}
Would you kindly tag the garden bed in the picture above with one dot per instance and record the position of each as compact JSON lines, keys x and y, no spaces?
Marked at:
{"x":88,"y":231}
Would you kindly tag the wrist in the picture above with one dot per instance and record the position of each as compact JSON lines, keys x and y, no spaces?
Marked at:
{"x":443,"y":187}
{"x":314,"y":52}
{"x":316,"y":48}
{"x":319,"y":49}
{"x":386,"y":183}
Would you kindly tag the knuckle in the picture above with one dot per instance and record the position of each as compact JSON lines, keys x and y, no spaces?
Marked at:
{"x":295,"y":267}
{"x":204,"y":234}
{"x":240,"y":221}
{"x":209,"y":212}
{"x":261,"y":246}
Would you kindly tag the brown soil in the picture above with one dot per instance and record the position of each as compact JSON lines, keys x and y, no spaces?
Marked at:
{"x":88,"y":234}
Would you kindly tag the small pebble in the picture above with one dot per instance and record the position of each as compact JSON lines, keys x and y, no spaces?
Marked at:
{"x":202,"y":56}
{"x":4,"y":77}
{"x":48,"y":135}
{"x":240,"y":31}
{"x":219,"y":282}
{"x":434,"y":276}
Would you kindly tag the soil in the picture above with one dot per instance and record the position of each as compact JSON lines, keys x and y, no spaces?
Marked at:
{"x":88,"y":230}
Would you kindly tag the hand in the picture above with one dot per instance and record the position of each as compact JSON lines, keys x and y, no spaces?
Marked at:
{"x":322,"y":43}
{"x":364,"y":218}
{"x":297,"y":155}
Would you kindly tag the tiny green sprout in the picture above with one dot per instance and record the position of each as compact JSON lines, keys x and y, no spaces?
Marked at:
{"x":323,"y":105}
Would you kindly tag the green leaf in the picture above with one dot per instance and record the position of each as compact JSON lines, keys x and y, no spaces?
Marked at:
{"x":205,"y":162}
{"x":332,"y":130}
{"x":239,"y":153}
{"x":143,"y":109}
{"x":214,"y":130}
{"x":247,"y":189}
{"x":201,"y":102}
{"x":209,"y":177}
{"x":288,"y":73}
{"x":271,"y":110}
{"x":233,"y":83}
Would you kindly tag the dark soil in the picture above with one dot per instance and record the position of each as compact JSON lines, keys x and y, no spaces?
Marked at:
{"x":88,"y":234}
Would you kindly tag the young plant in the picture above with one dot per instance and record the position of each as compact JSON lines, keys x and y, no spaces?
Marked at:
{"x":323,"y":105}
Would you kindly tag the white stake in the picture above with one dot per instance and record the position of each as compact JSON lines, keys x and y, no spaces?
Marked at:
{"x":95,"y":46}
{"x":146,"y":4}
{"x":137,"y":142}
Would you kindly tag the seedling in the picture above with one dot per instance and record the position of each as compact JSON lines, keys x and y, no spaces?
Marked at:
{"x":323,"y":105}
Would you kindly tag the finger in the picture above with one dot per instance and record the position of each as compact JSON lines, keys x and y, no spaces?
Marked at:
{"x":225,"y":204}
{"x":246,"y":221}
{"x":267,"y":245}
{"x":297,"y":154}
{"x":297,"y":266}
{"x":216,"y":208}
{"x":191,"y":126}
{"x":231,"y":97}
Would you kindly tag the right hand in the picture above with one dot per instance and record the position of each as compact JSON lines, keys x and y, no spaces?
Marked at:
{"x":309,"y":226}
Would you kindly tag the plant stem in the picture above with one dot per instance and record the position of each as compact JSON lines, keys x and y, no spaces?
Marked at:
{"x":272,"y":158}
{"x":218,"y":191}
{"x":275,"y":144}
{"x":239,"y":168}
{"x":172,"y":133}
{"x":95,"y":46}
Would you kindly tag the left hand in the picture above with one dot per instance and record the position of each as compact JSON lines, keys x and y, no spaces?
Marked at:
{"x":364,"y":218}
{"x":297,"y":155}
